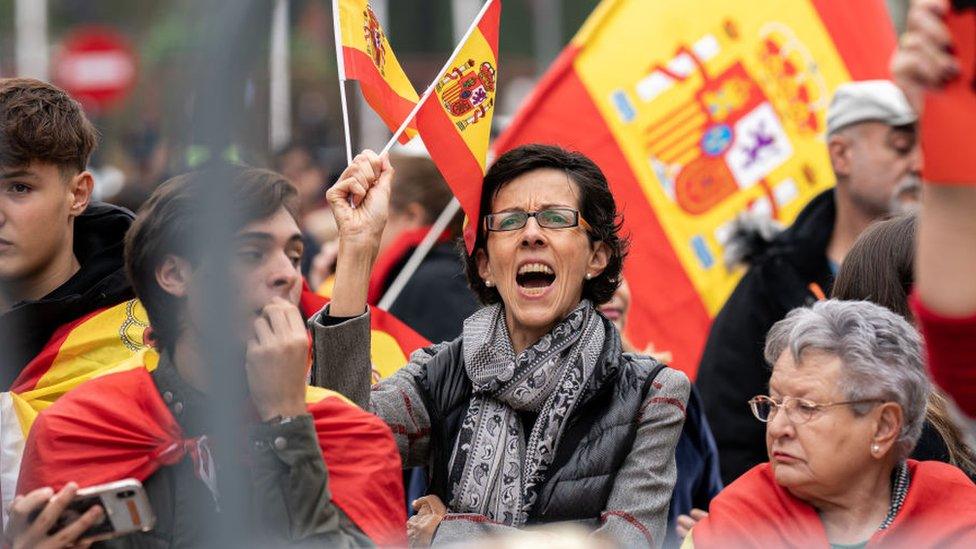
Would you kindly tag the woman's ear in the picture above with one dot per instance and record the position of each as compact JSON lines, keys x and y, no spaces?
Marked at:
{"x":599,"y":259}
{"x":484,"y":269}
{"x":887,"y":428}
{"x":174,"y":275}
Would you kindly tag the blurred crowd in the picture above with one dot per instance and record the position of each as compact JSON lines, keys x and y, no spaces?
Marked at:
{"x":530,"y":418}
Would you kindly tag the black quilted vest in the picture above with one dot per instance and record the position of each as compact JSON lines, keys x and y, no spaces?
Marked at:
{"x":597,"y":439}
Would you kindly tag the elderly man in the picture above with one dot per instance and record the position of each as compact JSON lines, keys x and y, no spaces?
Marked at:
{"x":871,"y":139}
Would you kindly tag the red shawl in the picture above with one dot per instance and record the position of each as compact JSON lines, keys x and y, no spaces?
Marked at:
{"x":754,"y":511}
{"x":117,"y":426}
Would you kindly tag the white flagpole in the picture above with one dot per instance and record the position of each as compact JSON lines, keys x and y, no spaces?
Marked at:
{"x":430,"y":88}
{"x":341,"y":65}
{"x":430,"y":239}
{"x":279,"y":125}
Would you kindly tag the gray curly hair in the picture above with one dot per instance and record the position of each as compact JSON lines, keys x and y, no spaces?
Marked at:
{"x":880,"y":355}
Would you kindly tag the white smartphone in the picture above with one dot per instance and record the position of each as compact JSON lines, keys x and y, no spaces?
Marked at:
{"x":126,"y":507}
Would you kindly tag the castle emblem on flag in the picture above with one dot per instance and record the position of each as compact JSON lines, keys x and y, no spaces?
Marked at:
{"x":468,"y":92}
{"x":373,"y":33}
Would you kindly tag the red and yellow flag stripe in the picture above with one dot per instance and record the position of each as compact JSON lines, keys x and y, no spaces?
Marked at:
{"x":455,"y":118}
{"x":368,"y":58}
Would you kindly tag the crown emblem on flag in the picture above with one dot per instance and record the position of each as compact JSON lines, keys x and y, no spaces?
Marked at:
{"x":468,"y":92}
{"x":373,"y":33}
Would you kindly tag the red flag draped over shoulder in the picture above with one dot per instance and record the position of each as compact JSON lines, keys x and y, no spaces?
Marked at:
{"x":939,"y":510}
{"x":117,"y":426}
{"x":697,"y":111}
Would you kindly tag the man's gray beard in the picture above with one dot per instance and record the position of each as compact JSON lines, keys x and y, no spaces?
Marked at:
{"x":906,"y":197}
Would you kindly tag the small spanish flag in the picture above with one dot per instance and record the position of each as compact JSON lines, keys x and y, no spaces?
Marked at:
{"x":455,"y":117}
{"x":368,"y":58}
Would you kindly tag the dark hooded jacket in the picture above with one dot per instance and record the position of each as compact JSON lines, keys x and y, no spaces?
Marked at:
{"x":787,"y":274}
{"x":101,"y":282}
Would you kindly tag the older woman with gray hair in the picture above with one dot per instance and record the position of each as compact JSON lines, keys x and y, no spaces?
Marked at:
{"x":845,"y":407}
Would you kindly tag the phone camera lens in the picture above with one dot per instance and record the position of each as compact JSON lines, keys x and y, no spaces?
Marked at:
{"x":125,"y":495}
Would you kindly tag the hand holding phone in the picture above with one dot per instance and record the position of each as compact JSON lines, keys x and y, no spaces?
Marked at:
{"x":46,"y":508}
{"x":77,"y":518}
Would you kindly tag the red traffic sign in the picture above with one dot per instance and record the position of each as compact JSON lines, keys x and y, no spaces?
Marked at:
{"x":97,"y":66}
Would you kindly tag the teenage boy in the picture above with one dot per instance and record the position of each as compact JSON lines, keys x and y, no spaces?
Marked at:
{"x":320,"y":469}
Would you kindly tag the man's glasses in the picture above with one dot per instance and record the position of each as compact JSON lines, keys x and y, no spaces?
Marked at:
{"x":799,"y":410}
{"x":550,"y":218}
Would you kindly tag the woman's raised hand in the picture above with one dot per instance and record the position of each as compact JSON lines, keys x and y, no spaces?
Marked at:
{"x":360,"y":199}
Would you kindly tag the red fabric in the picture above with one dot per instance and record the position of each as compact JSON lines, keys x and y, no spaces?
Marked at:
{"x":754,"y":511}
{"x":950,"y":114}
{"x":117,"y":426}
{"x":950,"y":344}
{"x":457,"y":162}
{"x":865,"y":48}
{"x":394,"y":255}
{"x":392,"y":107}
{"x":454,"y":159}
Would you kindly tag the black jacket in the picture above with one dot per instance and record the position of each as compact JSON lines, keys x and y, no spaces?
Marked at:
{"x":597,"y":439}
{"x":101,"y":282}
{"x":439,"y":278}
{"x":732,"y":369}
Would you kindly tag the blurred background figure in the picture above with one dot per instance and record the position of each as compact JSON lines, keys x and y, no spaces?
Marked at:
{"x":880,"y":268}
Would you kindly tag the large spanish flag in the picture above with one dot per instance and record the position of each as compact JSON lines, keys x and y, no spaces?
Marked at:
{"x":455,"y":118}
{"x":367,"y":57}
{"x":698,"y":111}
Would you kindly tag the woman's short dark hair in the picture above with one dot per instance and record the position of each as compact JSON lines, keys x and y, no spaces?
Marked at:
{"x":879,"y":266}
{"x":170,"y":221}
{"x":596,"y":206}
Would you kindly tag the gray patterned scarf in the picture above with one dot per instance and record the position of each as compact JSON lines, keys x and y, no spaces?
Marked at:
{"x":493,"y":471}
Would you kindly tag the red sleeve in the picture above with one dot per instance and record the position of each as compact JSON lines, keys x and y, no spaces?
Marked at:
{"x":951,"y":353}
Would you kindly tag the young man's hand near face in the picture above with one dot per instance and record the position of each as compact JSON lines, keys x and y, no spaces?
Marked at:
{"x":276,"y":361}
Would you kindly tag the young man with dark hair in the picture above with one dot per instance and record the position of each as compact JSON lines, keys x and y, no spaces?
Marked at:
{"x":61,"y":266}
{"x":320,"y":469}
{"x":60,"y":255}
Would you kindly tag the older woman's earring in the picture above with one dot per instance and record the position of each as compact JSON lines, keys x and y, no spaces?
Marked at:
{"x":875,"y":448}
{"x":489,"y":283}
{"x":589,"y":276}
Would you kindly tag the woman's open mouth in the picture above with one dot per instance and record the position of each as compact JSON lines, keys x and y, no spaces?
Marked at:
{"x":535,"y":278}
